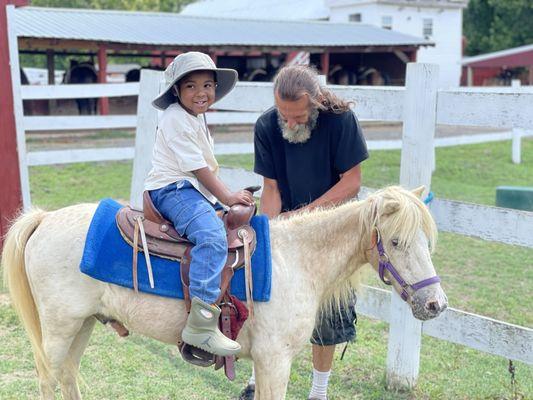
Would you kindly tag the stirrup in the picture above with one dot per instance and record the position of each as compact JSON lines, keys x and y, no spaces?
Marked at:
{"x":196,"y":356}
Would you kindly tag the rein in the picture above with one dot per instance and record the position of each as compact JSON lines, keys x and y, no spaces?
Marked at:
{"x":407,"y":289}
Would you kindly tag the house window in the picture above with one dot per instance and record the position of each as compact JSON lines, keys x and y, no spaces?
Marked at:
{"x":355,"y":17}
{"x":386,"y":22}
{"x":427,"y":28}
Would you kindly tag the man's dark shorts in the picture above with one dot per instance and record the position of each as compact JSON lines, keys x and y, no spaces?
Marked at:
{"x":337,"y":326}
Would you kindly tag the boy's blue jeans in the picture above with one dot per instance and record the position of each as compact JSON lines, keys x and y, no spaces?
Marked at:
{"x":195,"y":217}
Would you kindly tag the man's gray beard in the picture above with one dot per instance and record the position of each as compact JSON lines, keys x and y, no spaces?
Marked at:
{"x":301,"y":132}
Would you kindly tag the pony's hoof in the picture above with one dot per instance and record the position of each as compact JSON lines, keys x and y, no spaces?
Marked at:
{"x":247,"y":393}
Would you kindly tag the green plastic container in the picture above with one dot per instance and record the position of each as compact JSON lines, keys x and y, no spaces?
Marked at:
{"x":520,"y":198}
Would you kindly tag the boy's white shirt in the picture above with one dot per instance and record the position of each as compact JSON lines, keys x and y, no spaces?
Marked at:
{"x":183,"y":144}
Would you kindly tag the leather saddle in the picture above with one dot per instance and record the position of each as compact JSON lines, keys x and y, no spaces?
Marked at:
{"x":158,"y":237}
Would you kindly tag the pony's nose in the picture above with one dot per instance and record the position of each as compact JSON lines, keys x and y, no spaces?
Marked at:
{"x":434,"y":307}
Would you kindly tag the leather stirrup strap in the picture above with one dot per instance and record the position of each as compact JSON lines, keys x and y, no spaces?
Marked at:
{"x":229,"y":361}
{"x":135,"y":253}
{"x":139,"y":221}
{"x":185,"y":264}
{"x":248,"y":273}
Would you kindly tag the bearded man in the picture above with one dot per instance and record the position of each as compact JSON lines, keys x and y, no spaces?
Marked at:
{"x":309,"y":148}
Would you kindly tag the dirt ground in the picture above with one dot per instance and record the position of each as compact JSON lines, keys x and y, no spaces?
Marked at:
{"x":222,"y":134}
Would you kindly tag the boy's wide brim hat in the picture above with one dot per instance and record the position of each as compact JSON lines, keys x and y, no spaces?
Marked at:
{"x":189,"y":62}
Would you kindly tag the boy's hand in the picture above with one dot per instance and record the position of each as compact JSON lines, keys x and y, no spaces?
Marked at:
{"x":240,"y":197}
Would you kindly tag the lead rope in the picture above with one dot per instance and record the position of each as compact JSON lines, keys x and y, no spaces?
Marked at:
{"x":139,"y":222}
{"x":247,"y":273}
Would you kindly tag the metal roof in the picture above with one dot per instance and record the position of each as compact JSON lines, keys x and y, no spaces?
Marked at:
{"x":166,"y":29}
{"x":500,"y":56}
{"x":267,"y":9}
{"x":298,"y":9}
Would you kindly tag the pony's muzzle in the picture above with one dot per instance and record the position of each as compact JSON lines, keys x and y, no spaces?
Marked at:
{"x":428,"y":306}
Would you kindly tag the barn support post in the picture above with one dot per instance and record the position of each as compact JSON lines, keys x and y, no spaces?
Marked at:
{"x":50,"y":65}
{"x":324,"y":64}
{"x":419,"y":119}
{"x":102,"y":77}
{"x":469,"y":76}
{"x":15,"y":191}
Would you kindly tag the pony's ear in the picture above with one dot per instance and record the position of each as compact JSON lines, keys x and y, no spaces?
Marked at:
{"x":419,"y":191}
{"x":373,"y":238}
{"x":390,"y":207}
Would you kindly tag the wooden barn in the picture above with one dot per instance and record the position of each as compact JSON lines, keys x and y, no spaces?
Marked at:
{"x":348,"y":53}
{"x":499,"y":68}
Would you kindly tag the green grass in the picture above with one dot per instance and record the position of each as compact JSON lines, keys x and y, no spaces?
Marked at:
{"x":478,"y":276}
{"x":467,"y":173}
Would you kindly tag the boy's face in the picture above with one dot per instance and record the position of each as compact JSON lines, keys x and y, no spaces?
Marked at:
{"x":197,"y":91}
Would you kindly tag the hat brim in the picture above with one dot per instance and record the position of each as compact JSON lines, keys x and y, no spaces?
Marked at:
{"x":226,"y":80}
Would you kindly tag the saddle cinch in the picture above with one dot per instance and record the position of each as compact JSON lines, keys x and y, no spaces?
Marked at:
{"x":150,"y":233}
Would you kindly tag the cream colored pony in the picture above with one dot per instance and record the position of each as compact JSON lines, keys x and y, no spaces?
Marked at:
{"x":313,"y":255}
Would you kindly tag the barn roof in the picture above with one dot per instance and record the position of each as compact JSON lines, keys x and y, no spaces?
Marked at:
{"x":516,"y":57}
{"x":167,"y":30}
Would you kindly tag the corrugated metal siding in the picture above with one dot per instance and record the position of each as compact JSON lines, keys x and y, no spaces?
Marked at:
{"x":174,"y":29}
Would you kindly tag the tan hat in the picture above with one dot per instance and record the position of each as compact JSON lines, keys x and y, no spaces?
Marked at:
{"x":194,"y":61}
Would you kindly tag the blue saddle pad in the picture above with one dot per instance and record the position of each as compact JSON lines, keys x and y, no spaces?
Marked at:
{"x":107,"y":257}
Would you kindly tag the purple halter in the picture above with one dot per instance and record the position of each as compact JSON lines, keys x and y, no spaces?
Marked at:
{"x":385,"y":264}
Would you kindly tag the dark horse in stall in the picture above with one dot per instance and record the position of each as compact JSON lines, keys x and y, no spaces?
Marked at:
{"x":82,"y":73}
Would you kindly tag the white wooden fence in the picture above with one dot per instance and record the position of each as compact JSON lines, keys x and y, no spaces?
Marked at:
{"x":420,"y":106}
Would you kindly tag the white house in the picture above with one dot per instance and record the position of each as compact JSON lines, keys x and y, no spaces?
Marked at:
{"x":437,"y":20}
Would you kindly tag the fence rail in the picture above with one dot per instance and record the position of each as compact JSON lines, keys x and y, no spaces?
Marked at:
{"x":244,"y":104}
{"x":474,"y":331}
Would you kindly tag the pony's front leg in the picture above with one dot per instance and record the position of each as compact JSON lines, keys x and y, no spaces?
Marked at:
{"x":271,"y":376}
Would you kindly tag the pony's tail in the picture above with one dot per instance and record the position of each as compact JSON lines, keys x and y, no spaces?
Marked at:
{"x":16,"y":280}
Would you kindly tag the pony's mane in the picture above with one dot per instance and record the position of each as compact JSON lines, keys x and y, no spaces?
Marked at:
{"x":410,"y":215}
{"x":403,"y":224}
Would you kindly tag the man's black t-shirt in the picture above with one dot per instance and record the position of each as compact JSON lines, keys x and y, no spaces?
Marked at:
{"x":305,"y":171}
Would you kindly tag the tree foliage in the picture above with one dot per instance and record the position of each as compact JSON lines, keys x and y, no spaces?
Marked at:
{"x":130,"y":5}
{"x":492,"y":25}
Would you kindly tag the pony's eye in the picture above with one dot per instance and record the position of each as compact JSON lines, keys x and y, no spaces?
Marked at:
{"x":394,"y":242}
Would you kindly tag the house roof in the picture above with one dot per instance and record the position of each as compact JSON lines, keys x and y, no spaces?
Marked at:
{"x":267,"y":9}
{"x":297,"y":9}
{"x":167,"y":30}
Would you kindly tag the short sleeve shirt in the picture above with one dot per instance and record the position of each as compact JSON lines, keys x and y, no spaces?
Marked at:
{"x":183,"y":144}
{"x":305,"y":171}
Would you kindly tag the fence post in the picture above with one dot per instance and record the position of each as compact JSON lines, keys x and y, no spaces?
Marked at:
{"x":516,"y":154}
{"x":517,"y":144}
{"x":149,"y":86}
{"x":419,"y":119}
